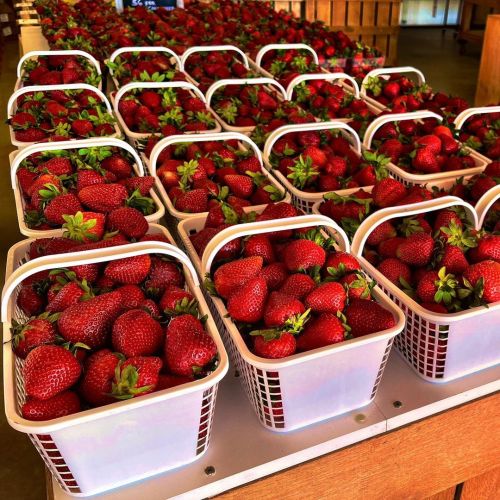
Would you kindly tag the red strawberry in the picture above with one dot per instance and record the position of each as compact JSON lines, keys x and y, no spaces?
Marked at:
{"x":259,"y":244}
{"x":86,"y":178}
{"x":70,"y":293}
{"x":240,"y":185}
{"x":90,"y":322}
{"x":357,"y":286}
{"x":162,"y":275}
{"x":425,"y":161}
{"x":416,"y":250}
{"x":394,"y":269}
{"x":188,"y":348}
{"x":317,"y":155}
{"x":233,"y":274}
{"x":136,"y":333}
{"x":324,"y":330}
{"x":60,"y":405}
{"x":326,"y":298}
{"x":280,"y":308}
{"x":103,"y":197}
{"x":143,"y":184}
{"x":298,"y":286}
{"x":56,"y":166}
{"x":64,"y":204}
{"x":488,"y":248}
{"x":276,"y":346}
{"x":35,"y":332}
{"x":246,"y":303}
{"x":82,"y":127}
{"x":453,"y":258}
{"x":381,"y":233}
{"x":176,"y":300}
{"x":166,"y":381}
{"x":49,"y":370}
{"x":132,"y":296}
{"x":485,"y":277}
{"x":136,"y":377}
{"x":388,"y":192}
{"x":430,"y":142}
{"x":275,"y":275}
{"x":339,"y":263}
{"x":118,"y":165}
{"x":84,"y":226}
{"x":302,"y":254}
{"x":193,"y":201}
{"x":365,"y":317}
{"x":130,"y":270}
{"x":128,"y":221}
{"x":30,"y":135}
{"x":29,"y":300}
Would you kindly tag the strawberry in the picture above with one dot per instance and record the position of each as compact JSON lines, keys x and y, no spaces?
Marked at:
{"x":25,"y":179}
{"x":118,"y":165}
{"x":143,"y":184}
{"x":29,"y":300}
{"x":430,"y":142}
{"x":33,"y":333}
{"x":176,"y":300}
{"x":130,"y":270}
{"x":484,"y":278}
{"x":58,"y":165}
{"x":395,"y":270}
{"x":246,"y":303}
{"x":90,"y":322}
{"x":84,"y":226}
{"x":162,"y":275}
{"x":22,"y":120}
{"x":274,"y":346}
{"x":275,"y":275}
{"x":326,"y":298}
{"x":437,"y":286}
{"x":132,"y":296}
{"x":128,"y":221}
{"x":64,"y":204}
{"x":233,"y":274}
{"x":82,"y":127}
{"x":488,"y":248}
{"x":445,"y":218}
{"x":280,"y":309}
{"x":388,"y":192}
{"x":166,"y":381}
{"x":416,"y":250}
{"x":86,"y":178}
{"x":60,"y":405}
{"x":298,"y":286}
{"x":324,"y":330}
{"x":366,"y":316}
{"x":425,"y":161}
{"x":259,"y":244}
{"x":30,"y":135}
{"x":136,"y":333}
{"x":188,"y":348}
{"x":103,"y":197}
{"x":453,"y":258}
{"x":49,"y":370}
{"x":339,"y":263}
{"x":357,"y":286}
{"x":70,"y":293}
{"x":240,"y":185}
{"x":381,"y":233}
{"x":317,"y":155}
{"x":136,"y":377}
{"x":193,"y":201}
{"x":303,"y":254}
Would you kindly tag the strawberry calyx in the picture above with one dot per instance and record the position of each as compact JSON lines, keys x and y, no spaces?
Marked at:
{"x":347,"y":328}
{"x":142,"y":203}
{"x":75,"y":228}
{"x":184,"y":306}
{"x":187,"y":170}
{"x":73,"y":347}
{"x":456,"y":236}
{"x":18,"y":330}
{"x":446,"y":287}
{"x":409,"y":226}
{"x":32,"y":218}
{"x":406,"y":287}
{"x":360,"y":282}
{"x":302,"y":172}
{"x":293,"y":325}
{"x":125,"y":382}
{"x":374,"y":85}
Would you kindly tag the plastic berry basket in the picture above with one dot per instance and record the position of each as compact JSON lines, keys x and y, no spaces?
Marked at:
{"x":136,"y":137}
{"x":176,"y":62}
{"x":439,"y":347}
{"x":410,"y":179}
{"x":275,"y":87}
{"x":37,"y":53}
{"x":302,"y":199}
{"x":12,"y":104}
{"x":16,"y":158}
{"x":86,"y":452}
{"x":305,"y":388}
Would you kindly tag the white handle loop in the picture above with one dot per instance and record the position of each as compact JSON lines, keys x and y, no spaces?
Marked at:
{"x":88,"y":257}
{"x":485,"y":203}
{"x":36,"y":53}
{"x":284,"y":46}
{"x":79,"y":144}
{"x":156,"y":85}
{"x":374,"y":220}
{"x":243,"y":81}
{"x":321,"y":76}
{"x":391,"y":71}
{"x":179,"y":139}
{"x":468,"y":113}
{"x":232,"y":232}
{"x":304,"y":127}
{"x":165,"y":50}
{"x":48,"y":88}
{"x":212,"y":48}
{"x":395,"y":117}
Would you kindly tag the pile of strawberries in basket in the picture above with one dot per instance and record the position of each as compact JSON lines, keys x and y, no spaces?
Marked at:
{"x":438,"y":259}
{"x":71,"y":188}
{"x":482,"y":133}
{"x":291,"y":291}
{"x":110,"y":332}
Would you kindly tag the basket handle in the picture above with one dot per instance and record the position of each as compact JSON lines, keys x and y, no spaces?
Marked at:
{"x":62,"y":86}
{"x":303,"y":127}
{"x":243,"y":81}
{"x":89,"y":257}
{"x":79,"y":144}
{"x":284,"y":46}
{"x":35,"y":53}
{"x":390,"y":71}
{"x":395,"y":117}
{"x":268,"y":226}
{"x":212,"y":48}
{"x":468,"y":113}
{"x":156,"y":85}
{"x":321,"y":76}
{"x":374,"y":220}
{"x":222,"y":136}
{"x":486,"y":201}
{"x":125,"y":50}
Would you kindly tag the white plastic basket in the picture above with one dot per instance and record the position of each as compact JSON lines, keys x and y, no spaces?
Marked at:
{"x":417,"y":179}
{"x":384,"y":73}
{"x":102,"y":448}
{"x":276,"y":87}
{"x":303,"y":199}
{"x":439,"y":347}
{"x":34,"y":54}
{"x":244,"y":143}
{"x":135,"y":137}
{"x":16,"y":157}
{"x":12,"y":104}
{"x":308,"y":387}
{"x":124,"y":50}
{"x":462,"y":118}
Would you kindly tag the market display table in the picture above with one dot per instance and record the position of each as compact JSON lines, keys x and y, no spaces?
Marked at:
{"x":399,"y":461}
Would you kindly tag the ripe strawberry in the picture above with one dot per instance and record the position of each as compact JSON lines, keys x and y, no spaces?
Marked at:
{"x":425,"y":161}
{"x":166,"y":381}
{"x":33,"y":333}
{"x":30,"y":135}
{"x":143,"y":184}
{"x":445,"y":218}
{"x":276,"y":346}
{"x":357,"y":286}
{"x":240,"y":185}
{"x":484,"y":277}
{"x":251,"y":164}
{"x":22,"y":120}
{"x":129,"y":221}
{"x":324,"y":330}
{"x":194,"y":201}
{"x":29,"y":300}
{"x":488,"y":248}
{"x":280,"y":308}
{"x":118,"y":165}
{"x":259,"y":244}
{"x":103,"y":197}
{"x":70,"y":293}
{"x":82,"y":127}
{"x":176,"y":300}
{"x":453,"y":258}
{"x":246,"y":303}
{"x":132,"y":296}
{"x":90,"y":322}
{"x":136,"y":333}
{"x":84,"y":226}
{"x":49,"y":370}
{"x":162,"y":275}
{"x":481,"y":185}
{"x":64,"y":204}
{"x":449,"y":146}
{"x":437,"y":286}
{"x":86,"y":178}
{"x":58,"y":165}
{"x":387,"y":192}
{"x":317,"y":155}
{"x":130,"y":270}
{"x":366,"y":316}
{"x":395,"y":270}
{"x":233,"y":274}
{"x":416,"y":250}
{"x":275,"y":275}
{"x":430,"y":142}
{"x":96,"y":384}
{"x":339,"y":263}
{"x":326,"y":298}
{"x":302,"y":254}
{"x":25,"y":179}
{"x":188,"y":348}
{"x":60,"y":405}
{"x":136,"y":377}
{"x":381,"y":233}
{"x":298,"y":286}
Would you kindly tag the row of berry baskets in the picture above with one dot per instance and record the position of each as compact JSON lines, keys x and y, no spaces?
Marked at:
{"x":288,"y":293}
